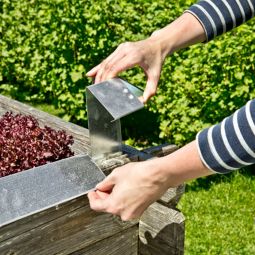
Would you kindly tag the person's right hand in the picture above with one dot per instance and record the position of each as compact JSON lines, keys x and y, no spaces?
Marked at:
{"x":146,"y":53}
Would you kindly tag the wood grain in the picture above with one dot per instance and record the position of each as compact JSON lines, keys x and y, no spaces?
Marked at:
{"x":172,"y":196}
{"x":114,"y":245}
{"x":161,"y":231}
{"x":69,"y":232}
{"x":73,"y":228}
{"x":70,"y":226}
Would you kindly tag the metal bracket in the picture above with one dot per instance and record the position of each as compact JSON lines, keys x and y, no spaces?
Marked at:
{"x":42,"y":187}
{"x":107,"y":102}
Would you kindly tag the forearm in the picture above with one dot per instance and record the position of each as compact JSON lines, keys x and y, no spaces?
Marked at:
{"x":181,"y":33}
{"x":220,"y":16}
{"x":182,"y":165}
{"x":222,"y":148}
{"x":202,"y":22}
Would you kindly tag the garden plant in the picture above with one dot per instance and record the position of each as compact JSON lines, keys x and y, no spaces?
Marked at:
{"x":48,"y":46}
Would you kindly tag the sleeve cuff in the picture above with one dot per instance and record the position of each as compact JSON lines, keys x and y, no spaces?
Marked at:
{"x":201,"y":155}
{"x":200,"y":21}
{"x":207,"y":156}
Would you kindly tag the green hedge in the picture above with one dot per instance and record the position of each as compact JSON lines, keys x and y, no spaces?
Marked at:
{"x":207,"y":83}
{"x":48,"y":46}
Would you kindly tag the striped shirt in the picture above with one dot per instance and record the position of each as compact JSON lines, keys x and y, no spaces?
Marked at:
{"x":220,"y":16}
{"x":230,"y":144}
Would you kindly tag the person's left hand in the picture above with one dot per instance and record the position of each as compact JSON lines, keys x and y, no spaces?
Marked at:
{"x":129,"y":189}
{"x":147,"y":54}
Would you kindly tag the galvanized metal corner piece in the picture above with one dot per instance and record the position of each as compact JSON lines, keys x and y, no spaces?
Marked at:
{"x":107,"y":102}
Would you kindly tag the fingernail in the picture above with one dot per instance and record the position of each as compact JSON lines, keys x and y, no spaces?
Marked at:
{"x":98,"y":185}
{"x":142,"y":100}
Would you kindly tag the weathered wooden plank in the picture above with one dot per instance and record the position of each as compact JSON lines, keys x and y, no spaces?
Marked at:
{"x":80,"y":134}
{"x":123,"y":243}
{"x":38,"y":219}
{"x":172,"y":196}
{"x":72,"y":227}
{"x":161,"y":231}
{"x":159,"y":249}
{"x":72,"y":231}
{"x":108,"y":164}
{"x":161,"y":150}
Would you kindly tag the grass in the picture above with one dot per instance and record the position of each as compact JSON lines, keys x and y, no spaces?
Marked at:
{"x":220,"y":214}
{"x":219,"y":211}
{"x":48,"y":108}
{"x":41,"y":106}
{"x":6,"y":90}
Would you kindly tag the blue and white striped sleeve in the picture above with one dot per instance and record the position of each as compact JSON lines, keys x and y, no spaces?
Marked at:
{"x":220,"y":16}
{"x":229,"y":145}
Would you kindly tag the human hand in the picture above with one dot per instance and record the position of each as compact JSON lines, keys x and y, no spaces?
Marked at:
{"x":147,"y":54}
{"x":129,"y":190}
{"x":150,"y":53}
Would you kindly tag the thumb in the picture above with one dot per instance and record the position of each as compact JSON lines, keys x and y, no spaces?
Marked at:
{"x":93,"y":71}
{"x":150,"y":89}
{"x":107,"y":184}
{"x":96,"y":202}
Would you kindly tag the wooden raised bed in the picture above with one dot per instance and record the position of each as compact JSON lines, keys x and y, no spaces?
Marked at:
{"x":73,"y":228}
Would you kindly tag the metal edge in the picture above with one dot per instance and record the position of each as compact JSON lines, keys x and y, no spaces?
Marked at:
{"x":44,"y":208}
{"x":54,"y":204}
{"x":142,"y":105}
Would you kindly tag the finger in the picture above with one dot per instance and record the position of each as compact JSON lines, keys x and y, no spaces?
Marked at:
{"x":116,"y":58}
{"x":151,"y":87}
{"x":107,"y":184}
{"x":141,"y":99}
{"x":99,"y":70}
{"x":102,"y":195}
{"x":96,"y":203}
{"x":93,"y":71}
{"x":98,"y":77}
{"x":126,"y":62}
{"x":107,"y":64}
{"x":122,"y":51}
{"x":103,"y":65}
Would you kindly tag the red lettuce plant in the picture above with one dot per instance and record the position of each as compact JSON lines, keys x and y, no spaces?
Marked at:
{"x":24,"y":144}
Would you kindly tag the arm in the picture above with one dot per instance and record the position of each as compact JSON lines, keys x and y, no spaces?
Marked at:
{"x":151,"y":52}
{"x":220,"y":16}
{"x":130,"y":189}
{"x":201,"y":22}
{"x":222,"y":148}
